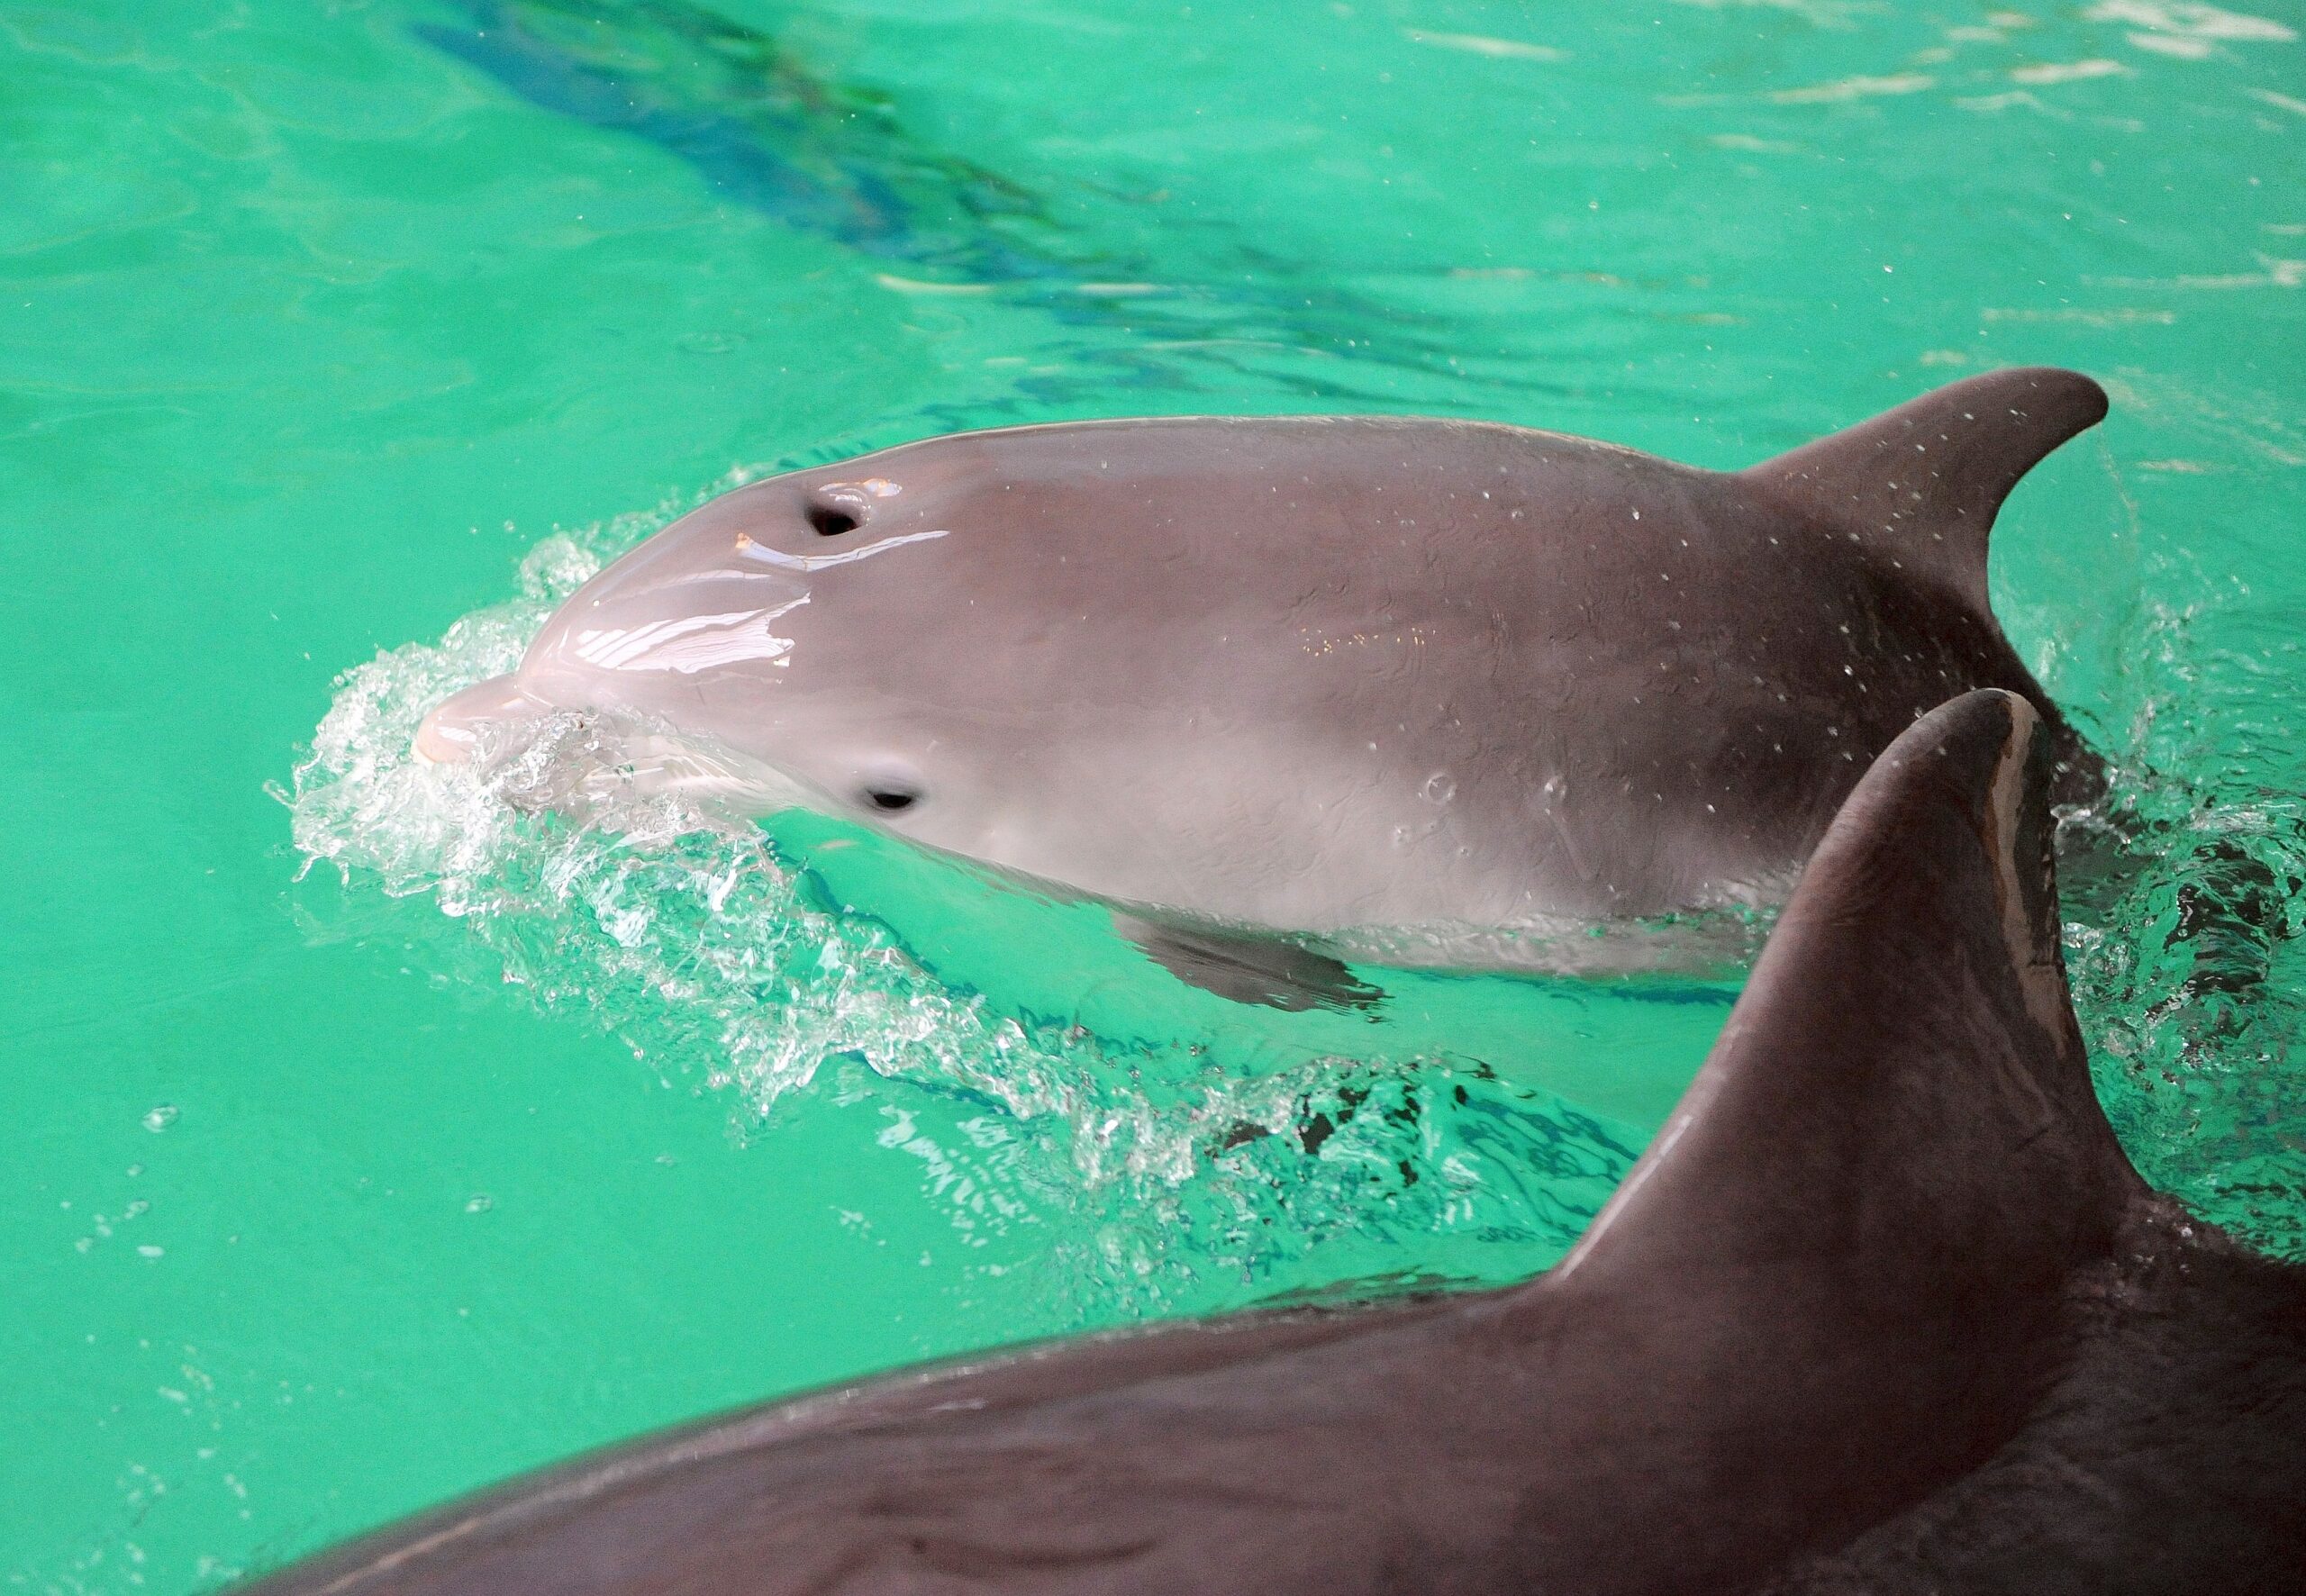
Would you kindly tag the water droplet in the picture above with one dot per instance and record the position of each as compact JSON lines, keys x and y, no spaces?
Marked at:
{"x":1440,"y":787}
{"x":161,"y":1117}
{"x":479,"y":1203}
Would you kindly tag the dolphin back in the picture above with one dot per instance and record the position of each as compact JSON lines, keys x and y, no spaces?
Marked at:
{"x":1849,"y":1250}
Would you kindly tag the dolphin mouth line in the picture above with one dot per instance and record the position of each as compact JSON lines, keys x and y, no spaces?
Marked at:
{"x":611,"y":746}
{"x":751,"y":550}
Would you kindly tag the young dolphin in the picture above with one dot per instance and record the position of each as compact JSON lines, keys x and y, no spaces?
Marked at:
{"x":1314,"y":675}
{"x":1883,"y":1309}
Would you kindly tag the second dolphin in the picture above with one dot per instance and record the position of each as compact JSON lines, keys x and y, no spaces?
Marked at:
{"x":1316,"y":674}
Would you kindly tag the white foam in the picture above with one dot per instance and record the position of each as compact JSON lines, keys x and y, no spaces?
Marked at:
{"x":627,"y":902}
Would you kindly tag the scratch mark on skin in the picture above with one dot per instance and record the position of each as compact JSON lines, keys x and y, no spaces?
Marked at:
{"x":751,"y":549}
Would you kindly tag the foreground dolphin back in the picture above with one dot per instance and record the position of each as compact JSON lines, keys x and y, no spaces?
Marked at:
{"x":1902,"y":1086}
{"x":1858,"y":1223}
{"x":1323,"y":675}
{"x":1882,"y":1271}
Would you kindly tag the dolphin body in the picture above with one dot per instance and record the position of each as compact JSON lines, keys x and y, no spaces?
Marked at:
{"x":1883,"y":1309}
{"x":1320,"y":675}
{"x":760,"y":129}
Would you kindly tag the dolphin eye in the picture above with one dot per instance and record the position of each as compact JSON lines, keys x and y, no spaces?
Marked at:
{"x":830,"y":521}
{"x":891,"y":794}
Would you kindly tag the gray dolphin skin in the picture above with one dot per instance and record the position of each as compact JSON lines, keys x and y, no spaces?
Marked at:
{"x":1883,"y":1309}
{"x":1310,"y":674}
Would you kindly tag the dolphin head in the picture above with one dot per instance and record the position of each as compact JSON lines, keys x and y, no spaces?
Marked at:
{"x":925,"y":640}
{"x":768,"y":635}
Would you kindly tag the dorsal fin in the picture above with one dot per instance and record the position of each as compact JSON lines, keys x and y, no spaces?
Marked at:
{"x":1866,"y":1206}
{"x":1930,"y":475}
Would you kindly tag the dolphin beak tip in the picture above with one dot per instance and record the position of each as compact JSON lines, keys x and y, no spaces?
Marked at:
{"x":448,"y":733}
{"x":441,"y":739}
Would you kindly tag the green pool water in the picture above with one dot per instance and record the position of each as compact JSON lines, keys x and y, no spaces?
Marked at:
{"x":363,"y":1140}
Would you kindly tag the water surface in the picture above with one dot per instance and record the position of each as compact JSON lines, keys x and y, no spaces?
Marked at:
{"x":342,"y":338}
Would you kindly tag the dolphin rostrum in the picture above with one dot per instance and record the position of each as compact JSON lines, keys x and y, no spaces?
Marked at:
{"x":1317,"y":675}
{"x":1884,"y":1308}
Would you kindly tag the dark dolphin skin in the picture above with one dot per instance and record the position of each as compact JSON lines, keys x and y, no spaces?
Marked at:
{"x":1883,"y":1309}
{"x":1317,"y":675}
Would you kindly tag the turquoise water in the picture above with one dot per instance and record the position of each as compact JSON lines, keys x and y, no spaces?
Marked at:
{"x":341,"y":338}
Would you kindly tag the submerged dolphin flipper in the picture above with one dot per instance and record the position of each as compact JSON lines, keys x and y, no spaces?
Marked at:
{"x":1249,"y":968}
{"x":1884,"y":1308}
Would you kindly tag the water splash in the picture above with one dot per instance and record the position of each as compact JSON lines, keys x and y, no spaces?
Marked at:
{"x":1182,"y":1177}
{"x":2187,"y":942}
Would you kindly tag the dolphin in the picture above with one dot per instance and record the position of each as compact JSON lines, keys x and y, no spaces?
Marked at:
{"x":1320,"y":674}
{"x":1883,"y":1309}
{"x":744,"y":109}
{"x":762,"y":131}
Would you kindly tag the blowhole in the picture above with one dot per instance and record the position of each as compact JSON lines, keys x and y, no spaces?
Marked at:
{"x":830,"y":521}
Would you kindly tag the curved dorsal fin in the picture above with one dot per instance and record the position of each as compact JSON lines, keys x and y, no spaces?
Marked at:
{"x":1856,"y":1226}
{"x":1931,"y":474}
{"x":1905,"y":1047}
